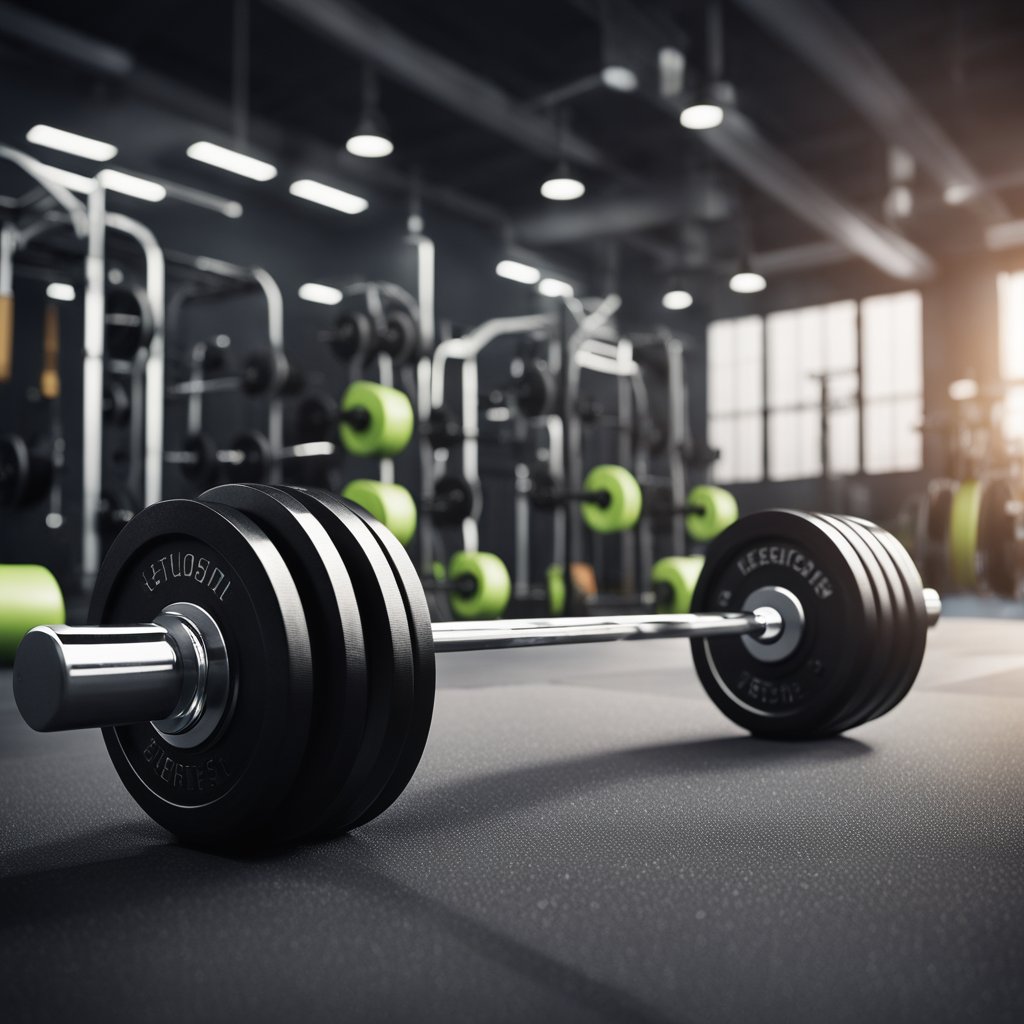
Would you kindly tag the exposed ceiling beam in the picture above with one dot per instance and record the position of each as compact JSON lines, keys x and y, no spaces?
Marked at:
{"x":447,"y":83}
{"x":73,"y":46}
{"x":739,"y":144}
{"x":592,"y":218}
{"x":820,"y":35}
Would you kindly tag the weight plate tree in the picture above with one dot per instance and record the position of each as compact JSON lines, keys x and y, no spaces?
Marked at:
{"x":263,"y":661}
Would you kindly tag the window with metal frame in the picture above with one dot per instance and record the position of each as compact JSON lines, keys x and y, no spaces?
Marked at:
{"x":892,"y":371}
{"x":736,"y":398}
{"x":768,"y":378}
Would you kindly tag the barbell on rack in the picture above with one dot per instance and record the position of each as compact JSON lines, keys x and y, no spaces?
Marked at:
{"x":611,"y":500}
{"x":264,"y":372}
{"x":356,"y":334}
{"x":707,"y":510}
{"x":250,"y":457}
{"x":370,"y":419}
{"x":262,"y":659}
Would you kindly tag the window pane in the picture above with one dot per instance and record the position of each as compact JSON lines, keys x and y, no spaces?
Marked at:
{"x":720,"y":389}
{"x":741,"y":443}
{"x":794,"y":445}
{"x":892,"y":435}
{"x":720,"y":335}
{"x":784,"y":361}
{"x":749,"y":365}
{"x":735,"y":366}
{"x":842,"y":441}
{"x":811,"y":341}
{"x":891,"y":341}
{"x":720,"y":437}
{"x":840,"y":333}
{"x":749,"y":448}
{"x":1013,"y":414}
{"x":893,"y":374}
{"x":907,"y":416}
{"x":1011,"y":325}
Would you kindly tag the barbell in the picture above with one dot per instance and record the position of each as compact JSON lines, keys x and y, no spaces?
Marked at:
{"x":262,"y":658}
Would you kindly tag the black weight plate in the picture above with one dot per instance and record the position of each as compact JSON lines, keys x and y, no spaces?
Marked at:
{"x":229,"y":789}
{"x":317,"y":417}
{"x":453,"y":501}
{"x":389,"y":657}
{"x":444,"y":428}
{"x":352,"y":335}
{"x":802,"y":695}
{"x":932,"y":533}
{"x":204,"y":468}
{"x":997,"y":539}
{"x":26,"y":471}
{"x":401,"y":336}
{"x":897,"y":681}
{"x":128,"y":321}
{"x":257,"y":458}
{"x":423,"y":655}
{"x":117,"y":403}
{"x":915,"y":639}
{"x":340,"y":682}
{"x":536,"y":390}
{"x":886,"y":669}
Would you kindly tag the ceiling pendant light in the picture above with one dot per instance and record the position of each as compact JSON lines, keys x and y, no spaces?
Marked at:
{"x":676,"y":299}
{"x":747,"y":282}
{"x":562,"y":185}
{"x":370,"y":139}
{"x":236,"y":159}
{"x":708,"y":106}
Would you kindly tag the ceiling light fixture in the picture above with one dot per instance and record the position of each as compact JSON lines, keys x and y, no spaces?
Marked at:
{"x":130,"y":185}
{"x":513,"y":270}
{"x":69,"y":142}
{"x":562,"y":186}
{"x":554,"y":288}
{"x":60,"y":291}
{"x":957,"y":194}
{"x":708,"y":107}
{"x":700,"y":117}
{"x":676,"y":299}
{"x":747,"y":282}
{"x":619,"y":78}
{"x":327,"y":195}
{"x":964,"y":389}
{"x":231,"y":160}
{"x":71,"y":181}
{"x":324,"y":294}
{"x":370,"y":139}
{"x":236,"y":161}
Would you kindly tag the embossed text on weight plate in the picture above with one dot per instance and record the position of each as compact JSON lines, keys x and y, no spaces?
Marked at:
{"x":186,"y":565}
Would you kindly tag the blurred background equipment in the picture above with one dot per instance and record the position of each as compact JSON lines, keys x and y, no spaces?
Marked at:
{"x":576,"y":317}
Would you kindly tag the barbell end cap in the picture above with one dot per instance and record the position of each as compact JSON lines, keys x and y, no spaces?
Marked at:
{"x":40,"y":679}
{"x":932,"y":605}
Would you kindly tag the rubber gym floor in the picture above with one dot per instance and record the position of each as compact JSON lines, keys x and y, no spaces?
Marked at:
{"x":587,"y":839}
